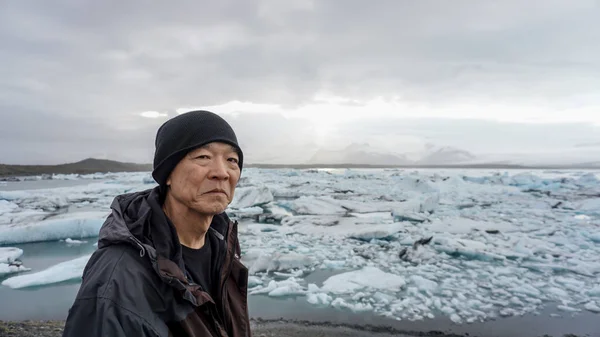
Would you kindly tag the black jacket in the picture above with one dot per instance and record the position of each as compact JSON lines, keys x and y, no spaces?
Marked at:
{"x":136,"y":284}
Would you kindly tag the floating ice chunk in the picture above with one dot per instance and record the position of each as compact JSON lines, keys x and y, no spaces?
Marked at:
{"x":340,"y":303}
{"x":287,"y":290}
{"x":526,"y":289}
{"x":595,"y":291}
{"x":10,"y":254}
{"x":7,"y":269}
{"x":424,"y":284}
{"x":254,"y":281}
{"x":368,"y":277}
{"x":363,"y":206}
{"x":592,"y":306}
{"x":326,"y":221}
{"x":527,"y":180}
{"x":588,"y":179}
{"x":70,"y":225}
{"x":74,"y":242}
{"x":330,"y":264}
{"x":377,"y":215}
{"x":322,"y":299}
{"x":567,"y":308}
{"x":468,"y":248}
{"x":556,"y":268}
{"x":466,"y":226}
{"x":251,"y":196}
{"x":287,"y":287}
{"x":413,"y":184}
{"x":594,"y":237}
{"x":589,"y":206}
{"x":381,"y":232}
{"x":454,"y":317}
{"x":583,"y":217}
{"x":7,"y":206}
{"x":245,"y":213}
{"x":558,"y":293}
{"x":383,"y":298}
{"x":313,"y":288}
{"x":13,"y":195}
{"x":273,"y":213}
{"x":280,"y":262}
{"x":61,"y":272}
{"x":315,"y":206}
{"x":419,"y":205}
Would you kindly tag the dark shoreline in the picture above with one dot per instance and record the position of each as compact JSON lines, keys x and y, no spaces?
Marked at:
{"x":277,"y":328}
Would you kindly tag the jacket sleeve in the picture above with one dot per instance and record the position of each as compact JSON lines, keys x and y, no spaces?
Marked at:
{"x":96,"y":317}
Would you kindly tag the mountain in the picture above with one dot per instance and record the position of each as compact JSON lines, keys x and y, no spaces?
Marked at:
{"x":86,"y":166}
{"x":445,"y":155}
{"x":357,"y":154}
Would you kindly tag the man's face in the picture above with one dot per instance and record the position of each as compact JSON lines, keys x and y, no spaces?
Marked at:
{"x":205,"y":179}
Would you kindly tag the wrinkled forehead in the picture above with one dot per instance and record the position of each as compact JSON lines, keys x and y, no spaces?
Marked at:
{"x":216,"y":147}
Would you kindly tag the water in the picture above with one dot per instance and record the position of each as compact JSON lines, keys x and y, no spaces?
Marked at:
{"x":43,"y":184}
{"x":50,"y":302}
{"x":53,"y":302}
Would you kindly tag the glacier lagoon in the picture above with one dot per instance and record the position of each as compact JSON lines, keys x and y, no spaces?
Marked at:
{"x":415,"y":246}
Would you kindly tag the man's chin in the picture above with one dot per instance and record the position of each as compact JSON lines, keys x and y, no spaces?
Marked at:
{"x":211,"y":210}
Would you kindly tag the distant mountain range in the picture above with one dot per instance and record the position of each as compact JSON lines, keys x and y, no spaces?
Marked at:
{"x":86,"y":166}
{"x":365,"y":154}
{"x":352,"y":156}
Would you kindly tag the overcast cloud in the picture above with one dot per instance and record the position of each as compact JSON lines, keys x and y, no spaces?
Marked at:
{"x":97,"y":78}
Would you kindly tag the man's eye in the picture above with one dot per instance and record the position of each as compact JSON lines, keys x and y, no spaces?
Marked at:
{"x":202,"y":156}
{"x":235,"y":160}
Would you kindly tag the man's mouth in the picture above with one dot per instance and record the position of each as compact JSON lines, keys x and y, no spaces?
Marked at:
{"x":216,"y":191}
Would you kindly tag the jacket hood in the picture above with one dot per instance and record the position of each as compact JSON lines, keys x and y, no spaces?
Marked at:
{"x":138,"y":219}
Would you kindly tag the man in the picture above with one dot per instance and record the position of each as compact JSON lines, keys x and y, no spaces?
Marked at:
{"x":167,"y":262}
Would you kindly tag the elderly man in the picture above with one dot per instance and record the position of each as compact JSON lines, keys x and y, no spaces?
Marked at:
{"x":167,"y":262}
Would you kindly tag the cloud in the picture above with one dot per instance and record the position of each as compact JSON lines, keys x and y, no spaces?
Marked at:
{"x":317,"y":63}
{"x":153,"y":114}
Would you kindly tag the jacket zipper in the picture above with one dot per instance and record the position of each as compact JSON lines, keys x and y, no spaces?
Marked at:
{"x":137,"y":242}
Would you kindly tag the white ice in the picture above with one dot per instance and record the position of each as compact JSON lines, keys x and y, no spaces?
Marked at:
{"x":71,"y":225}
{"x":245,"y":197}
{"x":8,"y":255}
{"x":503,"y":243}
{"x":61,"y":272}
{"x":368,"y":277}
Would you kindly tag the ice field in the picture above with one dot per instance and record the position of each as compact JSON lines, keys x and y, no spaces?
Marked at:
{"x":406,"y":244}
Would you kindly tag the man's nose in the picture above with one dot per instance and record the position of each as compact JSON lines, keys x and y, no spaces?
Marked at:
{"x":219,"y":169}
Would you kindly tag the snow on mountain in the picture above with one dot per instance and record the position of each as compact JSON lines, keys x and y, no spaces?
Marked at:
{"x":367,"y":154}
{"x":358,"y":154}
{"x":445,"y":155}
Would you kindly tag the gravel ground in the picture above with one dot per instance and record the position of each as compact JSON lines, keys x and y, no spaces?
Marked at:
{"x":260,"y":328}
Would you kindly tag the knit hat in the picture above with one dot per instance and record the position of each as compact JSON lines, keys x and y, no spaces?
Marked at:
{"x":186,"y":132}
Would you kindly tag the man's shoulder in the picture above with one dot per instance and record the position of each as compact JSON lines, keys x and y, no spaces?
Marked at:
{"x":115,"y":269}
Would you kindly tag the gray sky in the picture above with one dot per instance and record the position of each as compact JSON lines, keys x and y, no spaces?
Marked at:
{"x":504,"y":78}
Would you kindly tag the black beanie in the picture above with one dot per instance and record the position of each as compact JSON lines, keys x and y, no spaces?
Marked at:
{"x":186,"y":132}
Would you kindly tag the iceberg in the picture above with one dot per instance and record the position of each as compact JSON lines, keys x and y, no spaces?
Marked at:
{"x":246,"y":197}
{"x":468,"y":245}
{"x":368,"y":277}
{"x":71,"y":225}
{"x":10,"y":254}
{"x":268,"y":261}
{"x":380,"y":232}
{"x":315,"y":206}
{"x":65,"y":271}
{"x":7,"y":269}
{"x":8,"y":261}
